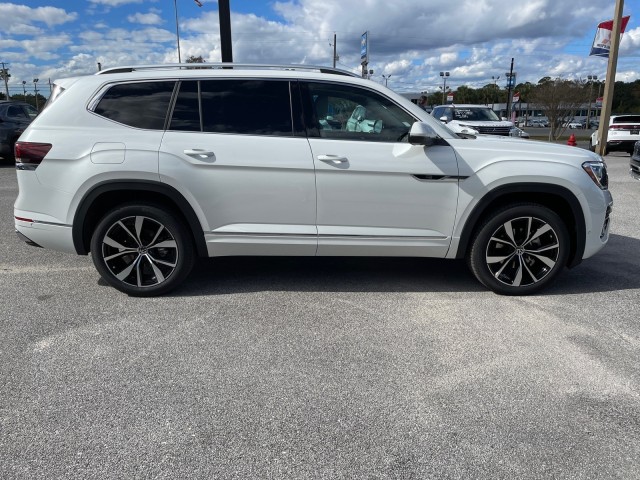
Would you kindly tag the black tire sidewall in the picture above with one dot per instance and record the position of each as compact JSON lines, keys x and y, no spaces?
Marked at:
{"x":171,"y":222}
{"x":477,"y":260}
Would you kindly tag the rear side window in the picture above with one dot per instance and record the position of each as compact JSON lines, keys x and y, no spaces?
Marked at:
{"x":140,"y":105}
{"x":250,"y":107}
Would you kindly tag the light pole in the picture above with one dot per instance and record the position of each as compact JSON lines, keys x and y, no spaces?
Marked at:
{"x":35,"y":89}
{"x":444,"y":76}
{"x":175,"y":7}
{"x":24,"y":89}
{"x":591,"y":79}
{"x":495,"y":87}
{"x":386,"y":79}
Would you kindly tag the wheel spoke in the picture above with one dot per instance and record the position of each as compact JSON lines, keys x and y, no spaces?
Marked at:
{"x":508,"y":228}
{"x":129,"y":232}
{"x":165,"y":244}
{"x":542,"y":230}
{"x":546,"y":260}
{"x":125,"y":273}
{"x":138,"y":226}
{"x":518,"y":280}
{"x":156,"y":236}
{"x":119,"y":254}
{"x":500,"y":259}
{"x":112,"y":243}
{"x":156,"y":270}
{"x":500,"y":240}
{"x":161,"y":262}
{"x":543,"y":249}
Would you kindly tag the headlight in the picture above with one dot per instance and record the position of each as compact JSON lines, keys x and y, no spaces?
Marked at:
{"x":597,"y":170}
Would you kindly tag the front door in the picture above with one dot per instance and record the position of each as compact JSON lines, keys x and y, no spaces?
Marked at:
{"x":377,"y":194}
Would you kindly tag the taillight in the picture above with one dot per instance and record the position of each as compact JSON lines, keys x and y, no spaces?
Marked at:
{"x":30,"y":154}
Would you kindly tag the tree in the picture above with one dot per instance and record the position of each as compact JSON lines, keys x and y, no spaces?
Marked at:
{"x":194,"y":59}
{"x":559,"y":99}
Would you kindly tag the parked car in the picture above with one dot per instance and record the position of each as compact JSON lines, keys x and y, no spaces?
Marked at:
{"x":517,"y":132}
{"x":634,"y":163}
{"x":539,"y":123}
{"x":573,"y":124}
{"x":14,"y":118}
{"x":592,"y":124}
{"x":624,"y":132}
{"x":472,"y":119}
{"x":148,"y":168}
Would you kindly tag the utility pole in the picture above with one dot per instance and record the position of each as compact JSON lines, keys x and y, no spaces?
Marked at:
{"x":610,"y":80}
{"x":224,"y":13}
{"x":591,"y":79}
{"x":175,"y":7}
{"x":35,"y":89}
{"x":5,"y":76}
{"x":335,"y":51}
{"x":510,"y":85}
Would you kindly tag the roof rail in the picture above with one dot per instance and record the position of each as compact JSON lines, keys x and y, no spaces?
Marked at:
{"x":204,"y":66}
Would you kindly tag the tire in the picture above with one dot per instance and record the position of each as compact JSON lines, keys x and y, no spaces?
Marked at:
{"x":520,"y":249}
{"x":592,"y":147}
{"x":142,"y":250}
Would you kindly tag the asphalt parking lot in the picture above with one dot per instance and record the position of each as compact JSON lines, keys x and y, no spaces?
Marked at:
{"x":321,"y":368}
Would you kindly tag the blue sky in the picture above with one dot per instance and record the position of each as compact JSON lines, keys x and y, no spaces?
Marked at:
{"x":411,"y":41}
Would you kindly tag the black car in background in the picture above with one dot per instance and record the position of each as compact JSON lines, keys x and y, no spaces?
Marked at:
{"x":14,"y":118}
{"x":634,"y":163}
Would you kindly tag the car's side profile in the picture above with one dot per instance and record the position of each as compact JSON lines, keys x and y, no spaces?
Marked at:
{"x":148,"y":168}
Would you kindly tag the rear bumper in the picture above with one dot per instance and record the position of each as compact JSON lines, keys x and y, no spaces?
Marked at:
{"x":620,"y":145}
{"x":46,"y":235}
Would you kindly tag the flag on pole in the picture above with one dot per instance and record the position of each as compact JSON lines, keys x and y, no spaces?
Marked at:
{"x":198,"y":2}
{"x":602,"y":41}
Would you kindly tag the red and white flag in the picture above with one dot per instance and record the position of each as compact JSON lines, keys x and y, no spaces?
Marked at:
{"x":602,"y":41}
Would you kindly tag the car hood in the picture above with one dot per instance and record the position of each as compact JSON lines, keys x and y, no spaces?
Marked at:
{"x":485,"y":149}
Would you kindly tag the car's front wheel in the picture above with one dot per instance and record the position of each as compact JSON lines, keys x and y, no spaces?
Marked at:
{"x":520,"y":250}
{"x":142,"y":250}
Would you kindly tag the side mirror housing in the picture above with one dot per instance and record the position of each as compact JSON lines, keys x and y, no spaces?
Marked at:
{"x":422,"y":134}
{"x":444,"y":119}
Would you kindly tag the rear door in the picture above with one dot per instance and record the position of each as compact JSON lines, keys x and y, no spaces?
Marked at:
{"x":232,"y":148}
{"x":377,"y":194}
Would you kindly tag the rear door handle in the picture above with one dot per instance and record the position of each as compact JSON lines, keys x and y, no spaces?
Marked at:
{"x":333,"y":159}
{"x":200,"y":154}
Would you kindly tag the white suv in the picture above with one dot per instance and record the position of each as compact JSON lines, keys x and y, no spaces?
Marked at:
{"x":624,"y":132}
{"x":150,"y":167}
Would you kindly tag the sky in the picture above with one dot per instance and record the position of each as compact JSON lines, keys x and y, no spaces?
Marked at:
{"x":410,"y":41}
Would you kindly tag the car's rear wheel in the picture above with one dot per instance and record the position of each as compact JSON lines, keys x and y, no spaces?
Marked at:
{"x":142,"y":250}
{"x":520,"y":250}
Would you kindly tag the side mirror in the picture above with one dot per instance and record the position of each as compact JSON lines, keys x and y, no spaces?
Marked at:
{"x":422,"y":134}
{"x":444,"y":119}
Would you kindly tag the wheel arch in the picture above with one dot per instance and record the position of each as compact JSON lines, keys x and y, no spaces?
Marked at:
{"x":555,"y":197}
{"x":104,"y":196}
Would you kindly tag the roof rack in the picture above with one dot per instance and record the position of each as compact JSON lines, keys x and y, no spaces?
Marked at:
{"x":226,"y":65}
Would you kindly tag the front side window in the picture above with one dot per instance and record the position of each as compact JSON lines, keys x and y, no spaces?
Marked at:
{"x":140,"y":104}
{"x":353,"y":113}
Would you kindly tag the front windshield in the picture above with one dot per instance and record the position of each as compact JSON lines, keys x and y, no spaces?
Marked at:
{"x":475,"y":114}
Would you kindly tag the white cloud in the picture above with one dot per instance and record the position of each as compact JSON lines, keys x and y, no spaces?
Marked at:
{"x":146,"y":18}
{"x":115,"y":3}
{"x":24,"y":15}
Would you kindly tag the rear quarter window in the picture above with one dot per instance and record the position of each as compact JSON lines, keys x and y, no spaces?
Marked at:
{"x":140,"y":105}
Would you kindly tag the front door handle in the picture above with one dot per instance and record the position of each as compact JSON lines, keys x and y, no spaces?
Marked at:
{"x":333,"y":159}
{"x":200,"y":154}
